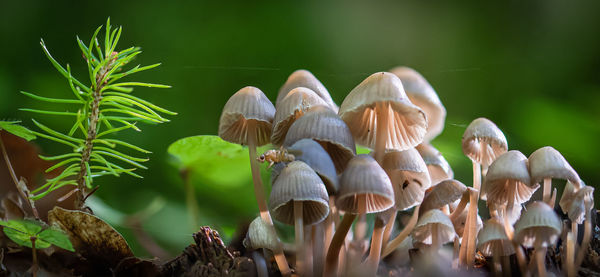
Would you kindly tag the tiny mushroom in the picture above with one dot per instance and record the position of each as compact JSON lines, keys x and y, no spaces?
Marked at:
{"x":315,"y":156}
{"x":547,"y":163}
{"x":325,"y":127}
{"x":303,"y":78}
{"x":434,"y":228}
{"x":260,"y":235}
{"x":493,"y":242}
{"x":439,"y":169}
{"x":420,"y":93}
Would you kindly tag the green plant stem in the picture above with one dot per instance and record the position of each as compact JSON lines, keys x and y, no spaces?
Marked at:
{"x":331,"y":260}
{"x":34,"y":267}
{"x":190,"y":200}
{"x":13,"y":175}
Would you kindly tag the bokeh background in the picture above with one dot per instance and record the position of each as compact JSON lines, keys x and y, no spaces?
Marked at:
{"x":532,"y":67}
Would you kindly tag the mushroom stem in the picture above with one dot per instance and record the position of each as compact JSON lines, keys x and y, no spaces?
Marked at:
{"x":261,"y":265}
{"x":587,"y":234}
{"x":388,"y":229}
{"x":318,"y":240}
{"x":547,"y":190}
{"x":575,"y":231}
{"x":299,"y":231}
{"x":372,"y":260}
{"x":553,"y":199}
{"x":360,"y":228}
{"x":331,"y":260}
{"x":382,"y":109}
{"x":461,"y":206}
{"x":392,"y":245}
{"x":496,"y":257}
{"x":569,"y":260}
{"x":540,"y":259}
{"x":309,"y":234}
{"x":520,"y":258}
{"x":259,"y":193}
{"x":435,"y":239}
{"x":472,"y":221}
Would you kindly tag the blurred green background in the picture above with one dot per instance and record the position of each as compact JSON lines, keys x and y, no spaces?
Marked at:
{"x":532,"y":67}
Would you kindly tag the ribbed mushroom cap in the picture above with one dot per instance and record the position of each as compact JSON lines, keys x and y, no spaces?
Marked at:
{"x":276,"y":170}
{"x":247,"y":106}
{"x":547,"y":162}
{"x":314,"y":155}
{"x":538,"y":226}
{"x":510,"y":169}
{"x":364,"y":180}
{"x":409,"y":177}
{"x":298,"y":182}
{"x":407,"y":122}
{"x":420,"y":93}
{"x":260,"y":235}
{"x":460,"y":221}
{"x":442,"y":194}
{"x":303,"y":78}
{"x":583,"y":201}
{"x":439,"y":169}
{"x":483,"y":142}
{"x":568,"y":195}
{"x":292,"y":107}
{"x":423,"y":230}
{"x":325,"y":127}
{"x":493,"y":239}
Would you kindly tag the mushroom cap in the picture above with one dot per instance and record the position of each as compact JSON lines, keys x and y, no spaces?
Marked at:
{"x":483,"y":142}
{"x":423,"y":231}
{"x":298,"y":182}
{"x":364,"y":180}
{"x":420,"y":93}
{"x":547,"y":162}
{"x":407,"y":122}
{"x":538,"y":226}
{"x":493,"y":239}
{"x":315,"y":156}
{"x":303,"y":78}
{"x":442,"y":194}
{"x":325,"y":127}
{"x":582,"y":202}
{"x":248,"y":105}
{"x":409,"y":177}
{"x":276,"y":170}
{"x":509,"y":169}
{"x":439,"y":169}
{"x":460,"y":221}
{"x":292,"y":107}
{"x":260,"y":235}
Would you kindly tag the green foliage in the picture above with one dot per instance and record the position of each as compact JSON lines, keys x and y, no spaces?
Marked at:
{"x":22,"y":231}
{"x":103,"y":107}
{"x":16,"y":129}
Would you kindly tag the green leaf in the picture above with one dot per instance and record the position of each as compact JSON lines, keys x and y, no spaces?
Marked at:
{"x":57,"y":238}
{"x":17,"y":130}
{"x":21,"y":231}
{"x":213,"y":159}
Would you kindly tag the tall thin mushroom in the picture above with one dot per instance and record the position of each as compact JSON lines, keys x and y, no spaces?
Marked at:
{"x":482,"y":142}
{"x":246,"y":119}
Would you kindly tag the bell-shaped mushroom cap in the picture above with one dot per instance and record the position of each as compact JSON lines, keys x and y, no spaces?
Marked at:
{"x":248,"y":106}
{"x":439,"y":169}
{"x":276,"y":170}
{"x":420,"y":93}
{"x":298,"y":182}
{"x":510,"y":169}
{"x":315,"y":156}
{"x":493,"y":239}
{"x":582,"y":202}
{"x":364,"y":181}
{"x":303,"y":78}
{"x":409,"y":177}
{"x":325,"y":127}
{"x":538,"y":226}
{"x":292,"y":107}
{"x":442,"y":194}
{"x":460,"y":221}
{"x":423,"y":231}
{"x":406,"y":122}
{"x":260,"y":235}
{"x":547,"y":162}
{"x":483,"y":142}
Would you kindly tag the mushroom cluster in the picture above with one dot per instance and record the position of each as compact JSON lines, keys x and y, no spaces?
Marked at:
{"x":325,"y":190}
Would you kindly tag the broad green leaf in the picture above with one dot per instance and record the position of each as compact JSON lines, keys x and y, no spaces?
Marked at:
{"x":16,"y":129}
{"x":57,"y":238}
{"x":213,"y":159}
{"x":21,"y":231}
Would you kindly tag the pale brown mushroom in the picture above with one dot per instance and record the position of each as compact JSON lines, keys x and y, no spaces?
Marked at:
{"x":303,"y":78}
{"x":261,"y":235}
{"x":420,"y":93}
{"x":493,"y":242}
{"x":547,"y":163}
{"x":325,"y":127}
{"x":434,"y":228}
{"x":292,"y":107}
